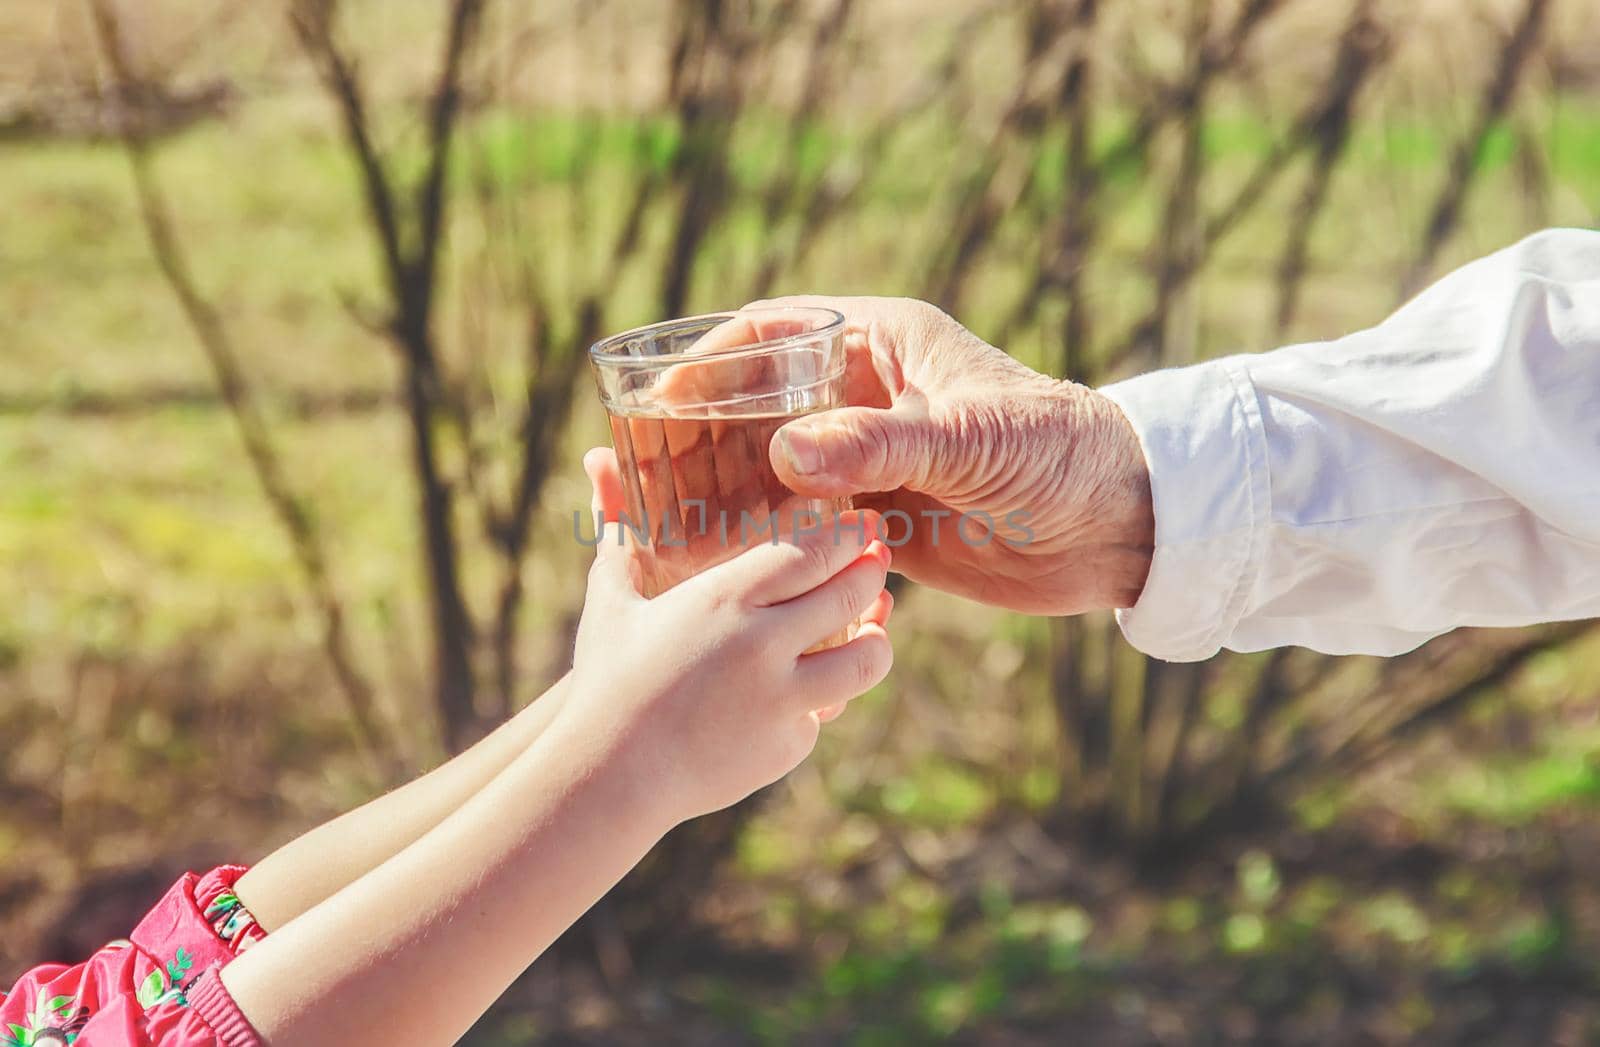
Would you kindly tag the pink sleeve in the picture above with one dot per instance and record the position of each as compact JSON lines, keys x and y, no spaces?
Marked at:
{"x":160,"y":989}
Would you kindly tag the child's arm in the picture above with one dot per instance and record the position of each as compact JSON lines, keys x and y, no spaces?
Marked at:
{"x":314,"y":865}
{"x":318,"y":863}
{"x":676,"y":706}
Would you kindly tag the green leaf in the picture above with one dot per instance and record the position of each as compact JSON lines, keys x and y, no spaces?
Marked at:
{"x":151,"y":989}
{"x":180,"y":965}
{"x":63,"y":1004}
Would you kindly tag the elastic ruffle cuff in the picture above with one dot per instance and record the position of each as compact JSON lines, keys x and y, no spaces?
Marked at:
{"x":211,"y":1000}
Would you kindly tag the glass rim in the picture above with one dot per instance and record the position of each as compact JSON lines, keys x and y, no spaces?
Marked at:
{"x":600,"y":356}
{"x":690,"y":408}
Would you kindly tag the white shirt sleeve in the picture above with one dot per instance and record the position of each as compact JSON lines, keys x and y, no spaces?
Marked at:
{"x":1364,"y":495}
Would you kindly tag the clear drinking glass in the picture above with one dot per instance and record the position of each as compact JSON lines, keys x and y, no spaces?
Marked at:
{"x":693,"y":406}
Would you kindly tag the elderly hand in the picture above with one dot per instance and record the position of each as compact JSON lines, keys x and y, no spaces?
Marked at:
{"x":942,"y":424}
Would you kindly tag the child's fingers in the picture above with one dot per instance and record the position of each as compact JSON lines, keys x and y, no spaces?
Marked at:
{"x":813,"y":617}
{"x":880,"y":610}
{"x":605,"y":480}
{"x":772,"y":573}
{"x":840,"y":673}
{"x":878,"y":614}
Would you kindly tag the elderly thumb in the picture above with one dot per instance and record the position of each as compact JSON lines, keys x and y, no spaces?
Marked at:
{"x":853,"y":450}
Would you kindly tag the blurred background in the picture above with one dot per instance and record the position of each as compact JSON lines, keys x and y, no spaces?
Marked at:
{"x":294,"y":299}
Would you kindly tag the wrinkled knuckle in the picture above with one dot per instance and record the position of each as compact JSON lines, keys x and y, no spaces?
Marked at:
{"x":873,"y":444}
{"x":912,"y":452}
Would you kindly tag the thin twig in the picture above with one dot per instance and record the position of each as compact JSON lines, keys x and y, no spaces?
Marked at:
{"x":1496,"y":100}
{"x":215,"y":340}
{"x":1360,"y":48}
{"x":411,"y":268}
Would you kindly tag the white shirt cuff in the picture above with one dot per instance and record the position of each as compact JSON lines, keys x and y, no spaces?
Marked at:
{"x":1201,"y":431}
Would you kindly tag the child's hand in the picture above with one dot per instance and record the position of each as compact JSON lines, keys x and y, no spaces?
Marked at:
{"x":705,"y":691}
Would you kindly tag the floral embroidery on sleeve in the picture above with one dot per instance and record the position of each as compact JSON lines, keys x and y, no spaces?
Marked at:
{"x":166,"y":985}
{"x":136,"y":992}
{"x":53,"y":1020}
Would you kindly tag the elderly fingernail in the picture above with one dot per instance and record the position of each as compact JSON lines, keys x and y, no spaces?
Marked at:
{"x":799,"y":443}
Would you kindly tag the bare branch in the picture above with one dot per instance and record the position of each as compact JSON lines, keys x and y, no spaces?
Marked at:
{"x":1005,"y":168}
{"x":412,"y":273}
{"x":1172,"y":102}
{"x":1431,"y":693}
{"x":465,"y":18}
{"x":212,"y":334}
{"x":312,"y":21}
{"x":1497,"y":96}
{"x":1360,"y":48}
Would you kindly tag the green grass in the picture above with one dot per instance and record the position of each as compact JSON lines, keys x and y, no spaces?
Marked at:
{"x":1514,"y":792}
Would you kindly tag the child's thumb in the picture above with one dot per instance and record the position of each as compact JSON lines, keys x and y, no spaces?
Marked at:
{"x":614,"y":575}
{"x":605,"y":481}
